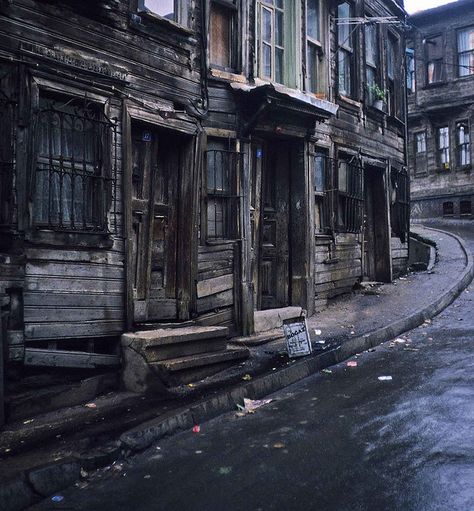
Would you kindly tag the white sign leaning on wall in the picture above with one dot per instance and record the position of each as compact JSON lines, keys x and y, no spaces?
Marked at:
{"x":297,"y":337}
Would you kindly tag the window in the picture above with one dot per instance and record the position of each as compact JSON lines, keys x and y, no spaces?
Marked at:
{"x":465,"y":207}
{"x":400,"y":206}
{"x":443,"y":147}
{"x":420,"y":152}
{"x":350,"y":195}
{"x":73,"y":167}
{"x":221,"y":35}
{"x":221,"y":195}
{"x":322,"y":189}
{"x":394,"y":102}
{"x":466,"y":52}
{"x":463,"y":149}
{"x":448,"y":208}
{"x":372,"y":63}
{"x":434,"y":60}
{"x":174,"y":10}
{"x":345,"y":53}
{"x":411,"y":74}
{"x":272,"y":40}
{"x":314,"y":47}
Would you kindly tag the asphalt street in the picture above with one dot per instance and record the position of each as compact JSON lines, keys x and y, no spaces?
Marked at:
{"x":340,"y":440}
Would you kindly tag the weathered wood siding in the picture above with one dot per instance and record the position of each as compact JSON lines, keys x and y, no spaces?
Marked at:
{"x":215,"y":283}
{"x":399,"y":257}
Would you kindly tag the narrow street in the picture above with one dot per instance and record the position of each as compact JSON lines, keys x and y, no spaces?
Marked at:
{"x":341,"y":440}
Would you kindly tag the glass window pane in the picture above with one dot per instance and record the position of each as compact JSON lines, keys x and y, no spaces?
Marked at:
{"x":342,"y":176}
{"x":343,"y":30}
{"x":267,"y":60}
{"x":279,"y":28}
{"x":371,"y":46}
{"x":164,"y":8}
{"x":312,"y":67}
{"x":312,"y":19}
{"x":319,"y":177}
{"x":267,"y":26}
{"x":279,"y":65}
{"x":344,"y":70}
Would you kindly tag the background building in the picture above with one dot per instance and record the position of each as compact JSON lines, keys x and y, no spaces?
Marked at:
{"x":441,"y":98}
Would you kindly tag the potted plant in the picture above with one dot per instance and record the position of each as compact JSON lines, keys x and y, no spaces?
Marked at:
{"x":379,"y":96}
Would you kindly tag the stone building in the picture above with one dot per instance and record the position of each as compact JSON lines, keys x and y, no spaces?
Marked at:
{"x":440,"y":62}
{"x":192,"y":164}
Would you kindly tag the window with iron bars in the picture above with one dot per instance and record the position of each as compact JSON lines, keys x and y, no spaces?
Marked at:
{"x":400,"y":203}
{"x":7,"y":141}
{"x":350,"y":195}
{"x":221,"y":191}
{"x":76,"y":157}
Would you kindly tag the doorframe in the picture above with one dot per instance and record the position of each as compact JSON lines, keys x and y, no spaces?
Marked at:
{"x":185,"y":202}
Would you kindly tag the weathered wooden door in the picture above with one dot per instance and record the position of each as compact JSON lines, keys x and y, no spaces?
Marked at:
{"x":369,"y":230}
{"x":274,"y":235}
{"x":155,"y":171}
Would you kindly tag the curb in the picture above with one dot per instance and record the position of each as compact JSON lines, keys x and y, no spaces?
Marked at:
{"x":30,"y":487}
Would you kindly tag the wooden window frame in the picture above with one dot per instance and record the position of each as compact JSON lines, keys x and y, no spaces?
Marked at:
{"x":443,"y":150}
{"x":350,"y":52}
{"x":315,"y":84}
{"x":103,"y":183}
{"x":410,"y":71}
{"x":459,"y":53}
{"x":265,"y":5}
{"x":400,"y":204}
{"x":416,"y":153}
{"x":181,"y":9}
{"x":463,"y":202}
{"x":438,"y":60}
{"x":465,"y":145}
{"x":229,"y":196}
{"x":372,"y":66}
{"x":394,"y":84}
{"x":323,"y":198}
{"x":233,"y":6}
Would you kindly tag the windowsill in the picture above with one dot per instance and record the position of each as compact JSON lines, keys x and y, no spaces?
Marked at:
{"x":322,"y":236}
{"x":69,"y":239}
{"x":463,"y":78}
{"x":429,"y":86}
{"x":164,"y":22}
{"x":465,"y":168}
{"x":443,"y":171}
{"x":349,"y":101}
{"x":215,"y":242}
{"x":420,"y":174}
{"x":230,"y":76}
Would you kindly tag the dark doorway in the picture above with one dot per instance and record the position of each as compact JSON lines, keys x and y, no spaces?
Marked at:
{"x":274,"y":260}
{"x":155,"y":175}
{"x":376,"y":252}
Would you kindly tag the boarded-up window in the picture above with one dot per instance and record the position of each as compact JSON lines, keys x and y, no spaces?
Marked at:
{"x":74,"y":175}
{"x":221,"y":35}
{"x":435,"y":68}
{"x":221,"y":192}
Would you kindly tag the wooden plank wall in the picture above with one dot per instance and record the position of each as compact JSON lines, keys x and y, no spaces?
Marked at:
{"x":337,"y":267}
{"x":215,"y":285}
{"x":399,"y":257}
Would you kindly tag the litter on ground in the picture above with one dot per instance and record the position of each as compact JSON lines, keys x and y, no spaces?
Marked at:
{"x":250,"y":405}
{"x":385,"y":378}
{"x":352,"y":363}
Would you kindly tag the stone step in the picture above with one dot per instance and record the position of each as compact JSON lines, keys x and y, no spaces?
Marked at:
{"x":185,"y":370}
{"x":273,"y":318}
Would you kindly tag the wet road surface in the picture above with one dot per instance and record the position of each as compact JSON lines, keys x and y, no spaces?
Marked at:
{"x":341,"y":440}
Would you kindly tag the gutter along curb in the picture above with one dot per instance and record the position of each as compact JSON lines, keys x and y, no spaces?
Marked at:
{"x":40,"y":482}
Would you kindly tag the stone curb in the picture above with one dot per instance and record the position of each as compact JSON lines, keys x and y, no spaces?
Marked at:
{"x":40,"y":482}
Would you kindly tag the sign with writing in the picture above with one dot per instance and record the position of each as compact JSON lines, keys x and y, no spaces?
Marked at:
{"x":297,"y":337}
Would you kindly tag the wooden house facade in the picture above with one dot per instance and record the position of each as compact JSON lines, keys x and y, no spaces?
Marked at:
{"x":190,"y":162}
{"x":441,"y":105}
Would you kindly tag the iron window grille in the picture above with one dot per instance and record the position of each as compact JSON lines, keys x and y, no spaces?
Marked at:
{"x":7,"y":145}
{"x":350,"y":195}
{"x":76,"y":167}
{"x":400,"y":204}
{"x":221,"y":192}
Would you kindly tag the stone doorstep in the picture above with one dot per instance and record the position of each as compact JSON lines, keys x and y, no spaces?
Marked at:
{"x":163,"y":337}
{"x":273,"y":318}
{"x":183,"y":363}
{"x":170,"y":351}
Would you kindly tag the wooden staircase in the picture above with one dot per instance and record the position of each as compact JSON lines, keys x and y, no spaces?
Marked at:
{"x":155,"y":360}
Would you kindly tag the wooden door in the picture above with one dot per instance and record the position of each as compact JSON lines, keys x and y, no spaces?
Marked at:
{"x":155,"y":171}
{"x":369,"y":230}
{"x":274,"y":235}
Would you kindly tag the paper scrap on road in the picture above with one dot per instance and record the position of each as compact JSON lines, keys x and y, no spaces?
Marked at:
{"x":385,"y":378}
{"x":352,"y":363}
{"x":246,"y":377}
{"x":91,"y":405}
{"x":250,"y":405}
{"x":327,"y":371}
{"x":196,"y":429}
{"x":400,"y":341}
{"x":57,"y":498}
{"x":279,"y":445}
{"x":318,"y":332}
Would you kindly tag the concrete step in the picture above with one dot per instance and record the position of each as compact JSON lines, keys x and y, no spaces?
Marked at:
{"x":184,"y":370}
{"x":273,"y":318}
{"x":259,"y":339}
{"x":155,"y":360}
